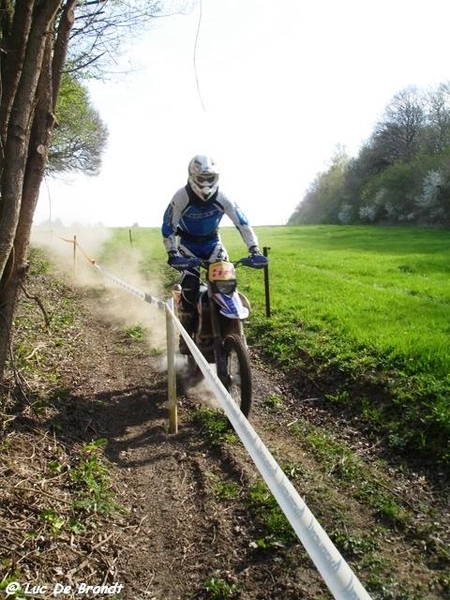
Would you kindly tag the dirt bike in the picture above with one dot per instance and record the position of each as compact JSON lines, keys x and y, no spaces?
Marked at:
{"x":219,"y":331}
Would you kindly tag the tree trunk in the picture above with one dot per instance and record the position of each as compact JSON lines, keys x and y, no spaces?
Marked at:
{"x":11,"y":66}
{"x":28,"y":138}
{"x":32,"y":55}
{"x":19,"y":127}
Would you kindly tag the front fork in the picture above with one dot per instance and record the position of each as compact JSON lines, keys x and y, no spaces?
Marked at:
{"x":219,"y":354}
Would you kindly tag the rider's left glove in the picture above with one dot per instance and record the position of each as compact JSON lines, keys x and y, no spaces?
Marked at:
{"x":172,"y":256}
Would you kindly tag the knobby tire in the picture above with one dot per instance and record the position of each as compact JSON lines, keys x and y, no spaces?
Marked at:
{"x":239,"y":383}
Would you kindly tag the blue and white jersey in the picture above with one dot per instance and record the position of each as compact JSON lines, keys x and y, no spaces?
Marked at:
{"x":196,"y":222}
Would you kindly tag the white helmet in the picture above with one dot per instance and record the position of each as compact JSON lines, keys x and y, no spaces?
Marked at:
{"x":203,"y":176}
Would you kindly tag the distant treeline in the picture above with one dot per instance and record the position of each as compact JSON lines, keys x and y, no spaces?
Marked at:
{"x":401,"y":174}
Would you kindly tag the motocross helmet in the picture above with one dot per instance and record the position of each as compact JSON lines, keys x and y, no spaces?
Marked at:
{"x":203,"y":176}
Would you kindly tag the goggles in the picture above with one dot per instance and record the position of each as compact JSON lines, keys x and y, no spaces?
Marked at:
{"x":206,"y":178}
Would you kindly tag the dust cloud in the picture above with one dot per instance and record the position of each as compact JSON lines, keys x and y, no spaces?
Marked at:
{"x":72,"y":251}
{"x":192,"y":386}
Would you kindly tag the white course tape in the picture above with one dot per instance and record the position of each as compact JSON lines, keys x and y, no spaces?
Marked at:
{"x":340,"y":579}
{"x":135,"y":291}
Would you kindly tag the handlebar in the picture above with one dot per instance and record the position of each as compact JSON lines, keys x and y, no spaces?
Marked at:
{"x":184,"y":263}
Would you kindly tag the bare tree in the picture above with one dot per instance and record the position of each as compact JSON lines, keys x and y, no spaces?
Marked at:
{"x":398,"y":136}
{"x":437,"y":133}
{"x":35,"y":36}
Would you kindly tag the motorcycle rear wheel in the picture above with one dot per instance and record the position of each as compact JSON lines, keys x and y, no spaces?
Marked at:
{"x":239,"y":374}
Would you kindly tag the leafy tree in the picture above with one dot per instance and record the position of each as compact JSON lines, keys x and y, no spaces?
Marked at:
{"x":433,"y":200}
{"x":366,"y":165}
{"x":401,"y":174}
{"x":324,"y":198}
{"x":80,"y":135}
{"x":390,"y":196}
{"x":34,"y":41}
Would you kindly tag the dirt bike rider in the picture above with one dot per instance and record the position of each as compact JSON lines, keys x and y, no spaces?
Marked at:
{"x":193,"y":216}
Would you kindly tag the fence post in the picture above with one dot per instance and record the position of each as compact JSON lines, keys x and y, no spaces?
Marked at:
{"x":266,"y":282}
{"x":75,"y":255}
{"x":171,"y":370}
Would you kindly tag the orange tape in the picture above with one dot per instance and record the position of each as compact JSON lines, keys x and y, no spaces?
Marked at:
{"x":86,"y":256}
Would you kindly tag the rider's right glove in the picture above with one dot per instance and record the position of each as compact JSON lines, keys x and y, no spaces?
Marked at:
{"x":182,"y":263}
{"x":258,"y":260}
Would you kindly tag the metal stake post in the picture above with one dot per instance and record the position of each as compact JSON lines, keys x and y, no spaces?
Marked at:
{"x":266,"y":282}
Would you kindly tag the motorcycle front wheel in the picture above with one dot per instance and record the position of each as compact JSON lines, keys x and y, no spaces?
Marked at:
{"x":239,"y":375}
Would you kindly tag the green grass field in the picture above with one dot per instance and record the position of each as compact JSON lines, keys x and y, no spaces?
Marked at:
{"x":355,"y":307}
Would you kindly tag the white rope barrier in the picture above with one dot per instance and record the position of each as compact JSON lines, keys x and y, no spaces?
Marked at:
{"x":340,"y":579}
{"x":129,"y":288}
{"x":338,"y":576}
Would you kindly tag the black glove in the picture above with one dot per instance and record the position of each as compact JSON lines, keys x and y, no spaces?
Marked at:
{"x":254,"y":250}
{"x":173,"y":254}
{"x":256,"y":259}
{"x":182,"y":263}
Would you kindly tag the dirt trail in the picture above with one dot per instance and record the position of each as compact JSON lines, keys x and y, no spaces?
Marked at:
{"x":195,"y":522}
{"x":190,"y":536}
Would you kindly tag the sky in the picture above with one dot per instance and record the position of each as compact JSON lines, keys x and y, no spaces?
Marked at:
{"x":270,"y":89}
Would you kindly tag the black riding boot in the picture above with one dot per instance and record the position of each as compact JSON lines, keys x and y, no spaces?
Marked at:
{"x":188,"y":320}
